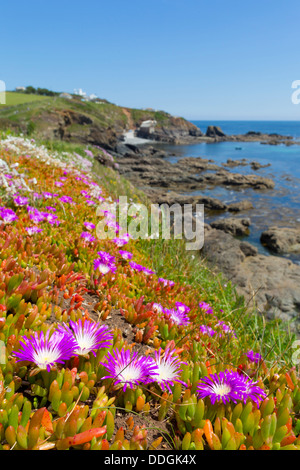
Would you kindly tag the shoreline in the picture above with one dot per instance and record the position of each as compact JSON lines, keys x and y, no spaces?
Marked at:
{"x":273,"y":277}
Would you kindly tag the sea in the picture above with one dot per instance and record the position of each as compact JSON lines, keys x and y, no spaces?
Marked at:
{"x":273,"y":207}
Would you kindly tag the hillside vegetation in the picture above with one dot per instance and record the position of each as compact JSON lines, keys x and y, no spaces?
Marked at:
{"x":73,"y":120}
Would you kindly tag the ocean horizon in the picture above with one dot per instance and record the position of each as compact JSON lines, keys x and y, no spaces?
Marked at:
{"x":235,"y":127}
{"x":273,"y":207}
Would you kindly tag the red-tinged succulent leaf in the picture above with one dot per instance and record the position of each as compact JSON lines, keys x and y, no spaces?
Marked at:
{"x":47,"y":421}
{"x":36,"y":419}
{"x":81,"y":438}
{"x":288,"y":440}
{"x":289,"y":381}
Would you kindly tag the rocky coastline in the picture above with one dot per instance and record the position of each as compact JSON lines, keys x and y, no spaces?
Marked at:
{"x":182,"y":133}
{"x":270,"y":282}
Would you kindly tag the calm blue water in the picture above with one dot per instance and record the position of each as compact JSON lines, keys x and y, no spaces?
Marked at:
{"x":291,"y":128}
{"x":279,"y":206}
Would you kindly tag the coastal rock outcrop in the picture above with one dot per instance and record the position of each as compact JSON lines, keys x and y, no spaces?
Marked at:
{"x":150,"y":168}
{"x":269,"y":283}
{"x":240,"y":206}
{"x":281,"y":239}
{"x":236,"y":227}
{"x":214,"y":131}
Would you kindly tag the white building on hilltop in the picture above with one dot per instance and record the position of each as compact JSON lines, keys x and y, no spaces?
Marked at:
{"x":79,"y":92}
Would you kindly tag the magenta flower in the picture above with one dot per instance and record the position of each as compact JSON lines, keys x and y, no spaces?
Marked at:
{"x":48,"y":195}
{"x":89,"y":225}
{"x":206,"y":307}
{"x":66,"y":199}
{"x":168,"y":369}
{"x":136,"y":266}
{"x":52,"y":219}
{"x":88,"y":237}
{"x":157,"y":308}
{"x":8,"y":215}
{"x":45,"y":350}
{"x":148,"y":271}
{"x":249,"y":389}
{"x":128,"y":371}
{"x":206,"y":330}
{"x":166,"y":282}
{"x":222,"y":387}
{"x":179,"y":318}
{"x":253,"y":357}
{"x":107,"y":257}
{"x":182,"y":308}
{"x":126,"y":254}
{"x":32,"y":230}
{"x":140,"y":268}
{"x":122,"y":240}
{"x":89,"y":337}
{"x":36,"y":216}
{"x":104,"y":263}
{"x":226,"y":328}
{"x":21,"y":201}
{"x":229,"y":386}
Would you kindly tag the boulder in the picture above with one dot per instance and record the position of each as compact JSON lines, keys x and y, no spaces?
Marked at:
{"x":240,"y":206}
{"x":269,"y":283}
{"x":281,"y":239}
{"x":257,"y":165}
{"x":214,"y":131}
{"x":236,"y":227}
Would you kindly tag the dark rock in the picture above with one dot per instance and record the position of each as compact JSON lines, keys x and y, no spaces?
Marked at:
{"x":236,"y":227}
{"x":281,"y":240}
{"x":269,"y":283}
{"x":257,"y":165}
{"x":214,"y":131}
{"x":232,"y":163}
{"x":248,"y":249}
{"x":240,"y":206}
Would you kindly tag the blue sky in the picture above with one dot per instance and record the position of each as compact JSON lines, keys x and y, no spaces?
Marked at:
{"x":233,"y":59}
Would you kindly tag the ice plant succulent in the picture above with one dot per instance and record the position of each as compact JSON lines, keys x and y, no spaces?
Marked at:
{"x":168,"y":369}
{"x":32,"y":230}
{"x":126,"y":254}
{"x":206,"y":330}
{"x":182,"y":308}
{"x":166,"y":282}
{"x":105,"y":263}
{"x":249,"y":389}
{"x":178,"y":317}
{"x":87,"y":236}
{"x":89,"y":336}
{"x":21,"y":201}
{"x":44,"y":350}
{"x":230,"y":385}
{"x":8,"y":215}
{"x":254,"y":357}
{"x":127,"y":370}
{"x":205,"y":307}
{"x":89,"y":225}
{"x":221,"y":387}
